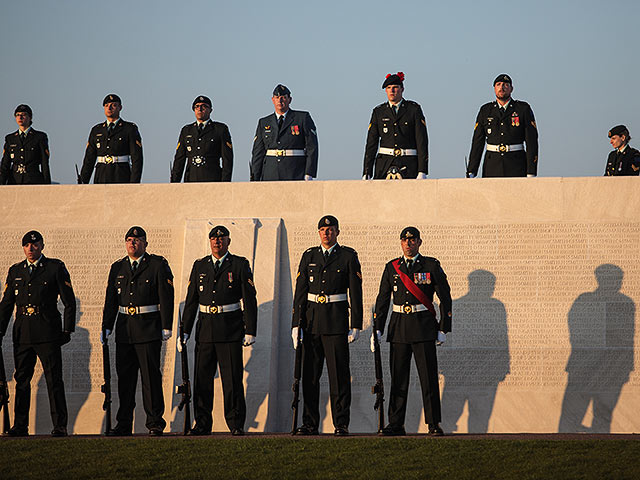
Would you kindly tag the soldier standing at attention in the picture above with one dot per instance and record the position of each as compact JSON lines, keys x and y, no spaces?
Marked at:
{"x":624,"y":160}
{"x":114,"y":148}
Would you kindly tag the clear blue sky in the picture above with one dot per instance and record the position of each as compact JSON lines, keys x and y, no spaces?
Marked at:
{"x":575,"y":62}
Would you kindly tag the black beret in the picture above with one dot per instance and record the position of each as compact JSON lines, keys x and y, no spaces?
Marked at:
{"x":619,"y":130}
{"x":281,"y":91}
{"x":24,"y":109}
{"x":504,"y":78}
{"x":328,"y":221}
{"x":409,"y":232}
{"x":112,"y":97}
{"x":136,"y":232}
{"x":201,"y":99}
{"x":393,"y":79}
{"x":219,"y":231}
{"x":32,"y":237}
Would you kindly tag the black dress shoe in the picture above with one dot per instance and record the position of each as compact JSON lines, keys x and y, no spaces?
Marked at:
{"x":59,"y":432}
{"x":119,"y":431}
{"x":237,"y":432}
{"x":198,"y":430}
{"x":307,"y":430}
{"x":435,"y":430}
{"x":393,"y":431}
{"x":341,"y":431}
{"x":155,"y":431}
{"x":18,"y":432}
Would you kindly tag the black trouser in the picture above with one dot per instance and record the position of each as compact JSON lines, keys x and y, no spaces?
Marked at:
{"x":427,"y":366}
{"x":50,"y":357}
{"x":335,"y":348}
{"x":131,"y":357}
{"x":228,"y":355}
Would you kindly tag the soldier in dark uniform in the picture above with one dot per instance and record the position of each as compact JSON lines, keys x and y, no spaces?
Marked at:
{"x":413,"y":329}
{"x":399,"y":127}
{"x":140,"y":297}
{"x":624,"y":160}
{"x":505,"y":125}
{"x":25,"y":158}
{"x":220,"y":288}
{"x":115,"y":145}
{"x":321,"y":309}
{"x":33,"y":287}
{"x":201,"y":145}
{"x":286,"y":143}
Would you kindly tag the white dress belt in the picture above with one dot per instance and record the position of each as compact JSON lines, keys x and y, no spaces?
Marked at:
{"x":286,"y":153}
{"x":397,"y":152}
{"x":505,"y":148}
{"x":409,"y":308}
{"x":114,"y":159}
{"x":232,"y":307}
{"x":321,"y":298}
{"x":131,"y":310}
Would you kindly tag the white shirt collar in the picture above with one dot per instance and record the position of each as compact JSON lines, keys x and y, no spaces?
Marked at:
{"x":505,"y":106}
{"x":25,"y":130}
{"x":138,"y":260}
{"x":413,"y":258}
{"x":397,"y":104}
{"x":330,"y":250}
{"x":221,"y":259}
{"x":284,"y":115}
{"x":35,"y":264}
{"x":623,"y":148}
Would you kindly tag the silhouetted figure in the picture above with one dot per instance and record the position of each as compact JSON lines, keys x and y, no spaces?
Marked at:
{"x":601,"y":330}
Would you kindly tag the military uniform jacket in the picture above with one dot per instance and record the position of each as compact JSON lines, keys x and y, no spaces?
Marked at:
{"x":25,"y":162}
{"x":623,"y":163}
{"x":405,"y":130}
{"x":298,"y":133}
{"x":202,"y":154}
{"x":152,"y":284}
{"x":341,"y":272}
{"x":419,"y":326}
{"x":35,"y":296}
{"x":123,"y":140}
{"x":515,"y":126}
{"x":232,"y":283}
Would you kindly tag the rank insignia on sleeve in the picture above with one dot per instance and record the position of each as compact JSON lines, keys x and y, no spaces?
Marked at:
{"x":535,"y":159}
{"x":635,"y":169}
{"x":515,"y":120}
{"x":46,"y":150}
{"x":170,"y":282}
{"x":68,"y":284}
{"x":368,"y":128}
{"x":423,"y":122}
{"x":229,"y":144}
{"x":250,"y":282}
{"x":359,"y":275}
{"x":476,"y":126}
{"x":139,"y":143}
{"x":297,"y":275}
{"x":5,"y":287}
{"x":178,"y":146}
{"x":314,"y":132}
{"x":533,"y":124}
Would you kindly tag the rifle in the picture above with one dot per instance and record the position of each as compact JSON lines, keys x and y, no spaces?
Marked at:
{"x":78,"y":177}
{"x":378,"y":388}
{"x":4,"y":394}
{"x":106,"y":387}
{"x":297,"y":373}
{"x":185,"y":387}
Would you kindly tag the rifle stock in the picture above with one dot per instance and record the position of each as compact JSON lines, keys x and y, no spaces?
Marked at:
{"x":106,"y":387}
{"x":297,"y":373}
{"x":4,"y":395}
{"x":185,"y":388}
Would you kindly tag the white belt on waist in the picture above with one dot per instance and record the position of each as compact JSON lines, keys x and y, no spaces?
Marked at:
{"x":286,"y":153}
{"x":321,"y":298}
{"x":409,"y":308}
{"x":114,"y":159}
{"x":232,"y":307}
{"x":505,"y":148}
{"x":131,"y":310}
{"x":398,"y":152}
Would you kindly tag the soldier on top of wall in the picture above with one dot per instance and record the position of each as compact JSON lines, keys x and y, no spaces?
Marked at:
{"x":506,"y":125}
{"x":114,"y":148}
{"x":398,"y":125}
{"x":624,"y":160}
{"x":201,"y":146}
{"x":25,"y":158}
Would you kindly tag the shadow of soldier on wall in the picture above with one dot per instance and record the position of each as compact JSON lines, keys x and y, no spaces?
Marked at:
{"x":601,"y":330}
{"x":475,"y":357}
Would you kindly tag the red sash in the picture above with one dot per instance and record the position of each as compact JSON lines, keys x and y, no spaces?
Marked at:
{"x":413,"y":288}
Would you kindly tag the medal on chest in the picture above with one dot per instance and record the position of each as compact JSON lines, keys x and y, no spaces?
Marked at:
{"x":515,"y":120}
{"x":422,"y":278}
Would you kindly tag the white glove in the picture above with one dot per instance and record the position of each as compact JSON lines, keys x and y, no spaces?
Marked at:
{"x":106,"y":332}
{"x":472,"y":175}
{"x":441,"y":338}
{"x":366,"y":177}
{"x":166,"y":335}
{"x":248,"y":340}
{"x":421,"y":176}
{"x":294,"y":336}
{"x":530,"y":175}
{"x":354,"y":333}
{"x":373,"y":345}
{"x":308,"y":178}
{"x":185,"y":337}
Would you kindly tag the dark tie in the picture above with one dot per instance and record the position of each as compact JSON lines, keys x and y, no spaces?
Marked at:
{"x":31,"y":267}
{"x":112,"y":127}
{"x":23,"y":136}
{"x":200,"y":128}
{"x":134,"y":266}
{"x":326,"y":255}
{"x":395,"y":109}
{"x":216,"y":267}
{"x":280,"y":121}
{"x":409,"y":264}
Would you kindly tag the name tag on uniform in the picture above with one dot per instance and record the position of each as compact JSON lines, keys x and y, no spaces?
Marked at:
{"x":422,"y":278}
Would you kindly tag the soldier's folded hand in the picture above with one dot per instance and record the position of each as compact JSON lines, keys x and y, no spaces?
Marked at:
{"x":354,"y":334}
{"x":166,"y":335}
{"x":104,"y":334}
{"x":248,"y":340}
{"x":441,"y":338}
{"x":180,"y":341}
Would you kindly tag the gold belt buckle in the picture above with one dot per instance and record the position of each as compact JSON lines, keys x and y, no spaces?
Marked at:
{"x":109,"y":159}
{"x":408,"y":309}
{"x":502,"y":148}
{"x":131,"y":310}
{"x":280,"y":153}
{"x":213,"y":309}
{"x":30,"y":310}
{"x":21,"y":168}
{"x":397,"y":152}
{"x":321,"y":299}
